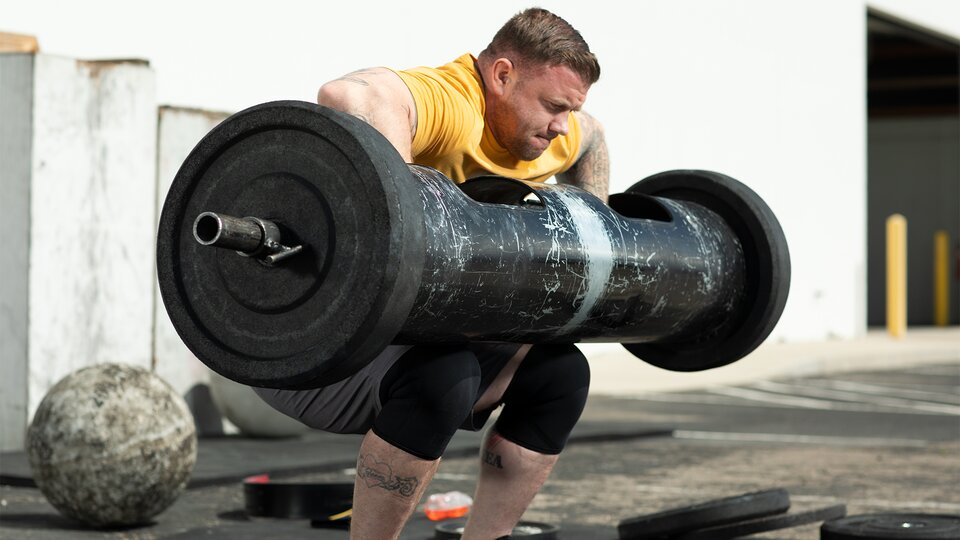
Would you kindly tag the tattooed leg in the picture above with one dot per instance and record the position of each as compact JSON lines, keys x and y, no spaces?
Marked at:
{"x":510,"y":476}
{"x":388,"y":486}
{"x":376,"y":473}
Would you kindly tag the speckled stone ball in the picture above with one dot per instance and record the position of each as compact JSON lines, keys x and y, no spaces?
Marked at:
{"x":112,"y":445}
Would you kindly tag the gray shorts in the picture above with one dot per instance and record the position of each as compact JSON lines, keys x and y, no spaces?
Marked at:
{"x":351,"y":405}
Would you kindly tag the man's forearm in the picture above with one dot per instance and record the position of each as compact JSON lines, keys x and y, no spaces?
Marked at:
{"x":592,"y":169}
{"x":591,"y":172}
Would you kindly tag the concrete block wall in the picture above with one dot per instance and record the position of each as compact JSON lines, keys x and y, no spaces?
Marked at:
{"x":78,"y":178}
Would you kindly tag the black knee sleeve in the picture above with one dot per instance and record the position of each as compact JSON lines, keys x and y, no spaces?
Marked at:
{"x":545,"y":398}
{"x":425,"y":396}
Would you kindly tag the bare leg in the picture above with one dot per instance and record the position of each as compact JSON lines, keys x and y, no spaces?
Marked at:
{"x":510,"y":476}
{"x":389,"y":484}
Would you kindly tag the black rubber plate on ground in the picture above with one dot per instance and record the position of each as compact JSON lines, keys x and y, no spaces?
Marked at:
{"x":706,"y":514}
{"x":769,"y":523}
{"x":342,"y":523}
{"x":263,"y":498}
{"x":767,"y":261}
{"x":530,"y":530}
{"x":332,"y":184}
{"x":892,"y":526}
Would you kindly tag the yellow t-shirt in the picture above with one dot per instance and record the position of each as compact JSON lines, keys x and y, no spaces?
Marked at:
{"x":452,"y":137}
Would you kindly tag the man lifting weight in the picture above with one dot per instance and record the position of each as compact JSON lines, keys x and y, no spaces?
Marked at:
{"x":512,"y":111}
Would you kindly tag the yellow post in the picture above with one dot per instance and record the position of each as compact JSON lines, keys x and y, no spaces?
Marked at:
{"x":897,"y":275}
{"x":941,"y":278}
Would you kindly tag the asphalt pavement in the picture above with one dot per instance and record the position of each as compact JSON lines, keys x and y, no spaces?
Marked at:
{"x":875,"y":440}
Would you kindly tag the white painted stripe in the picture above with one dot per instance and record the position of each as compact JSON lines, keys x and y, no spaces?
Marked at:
{"x":950,"y":395}
{"x":597,"y":252}
{"x":947,"y":371}
{"x":870,"y":442}
{"x":779,"y":399}
{"x":879,"y":503}
{"x":454,"y":476}
{"x":739,"y":401}
{"x":694,"y":399}
{"x":810,"y":403}
{"x":893,"y":402}
{"x":674,"y":490}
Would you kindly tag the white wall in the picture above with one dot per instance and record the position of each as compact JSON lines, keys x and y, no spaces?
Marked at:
{"x":16,"y":106}
{"x":745,"y":89}
{"x":770,"y":92}
{"x":179,"y":131}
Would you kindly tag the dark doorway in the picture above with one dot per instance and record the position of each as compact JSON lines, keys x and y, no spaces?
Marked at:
{"x":913,"y":158}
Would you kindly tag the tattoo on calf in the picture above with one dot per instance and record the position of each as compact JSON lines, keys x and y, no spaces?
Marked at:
{"x":494,"y":460}
{"x":376,"y":473}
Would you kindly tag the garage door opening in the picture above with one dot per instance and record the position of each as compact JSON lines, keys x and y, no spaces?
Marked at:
{"x":913,"y":159}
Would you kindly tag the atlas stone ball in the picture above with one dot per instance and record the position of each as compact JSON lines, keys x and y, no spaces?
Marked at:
{"x":112,"y":445}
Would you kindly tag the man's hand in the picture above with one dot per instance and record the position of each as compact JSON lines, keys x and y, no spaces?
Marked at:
{"x":592,"y":169}
{"x":380,"y":98}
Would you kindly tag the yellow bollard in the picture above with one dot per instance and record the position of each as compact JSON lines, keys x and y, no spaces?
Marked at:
{"x":941,"y":278}
{"x":897,"y":275}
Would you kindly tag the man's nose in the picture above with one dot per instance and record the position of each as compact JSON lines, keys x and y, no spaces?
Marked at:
{"x":558,"y":124}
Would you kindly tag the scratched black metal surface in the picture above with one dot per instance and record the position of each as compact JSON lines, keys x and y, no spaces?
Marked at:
{"x":569,"y":268}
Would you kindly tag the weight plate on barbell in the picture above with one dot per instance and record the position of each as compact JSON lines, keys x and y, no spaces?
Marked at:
{"x":767,"y":276}
{"x":334,"y":185}
{"x":892,"y":526}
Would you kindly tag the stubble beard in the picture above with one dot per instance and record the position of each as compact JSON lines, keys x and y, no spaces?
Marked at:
{"x":525,"y":150}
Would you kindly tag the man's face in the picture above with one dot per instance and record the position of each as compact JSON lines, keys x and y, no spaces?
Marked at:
{"x":534,"y":108}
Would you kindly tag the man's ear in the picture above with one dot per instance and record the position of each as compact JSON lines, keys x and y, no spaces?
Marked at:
{"x":503,"y":75}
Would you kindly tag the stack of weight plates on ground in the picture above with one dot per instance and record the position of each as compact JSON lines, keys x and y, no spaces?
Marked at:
{"x":731,"y":517}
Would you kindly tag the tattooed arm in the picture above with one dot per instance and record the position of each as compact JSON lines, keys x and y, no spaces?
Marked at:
{"x":378,"y":97}
{"x":592,"y":169}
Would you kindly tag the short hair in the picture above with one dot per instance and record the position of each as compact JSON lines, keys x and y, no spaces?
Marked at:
{"x":539,"y":36}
